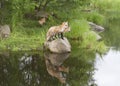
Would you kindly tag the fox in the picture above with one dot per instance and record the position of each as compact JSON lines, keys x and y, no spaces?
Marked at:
{"x":57,"y":31}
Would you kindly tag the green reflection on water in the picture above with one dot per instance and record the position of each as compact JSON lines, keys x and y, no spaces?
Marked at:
{"x":112,"y":32}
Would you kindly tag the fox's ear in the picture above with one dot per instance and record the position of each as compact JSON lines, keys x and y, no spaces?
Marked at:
{"x":65,"y":22}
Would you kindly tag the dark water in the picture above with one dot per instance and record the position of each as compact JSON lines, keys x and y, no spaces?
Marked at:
{"x":78,"y":68}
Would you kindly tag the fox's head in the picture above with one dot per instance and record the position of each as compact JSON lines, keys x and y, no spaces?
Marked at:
{"x":67,"y":29}
{"x":64,"y":26}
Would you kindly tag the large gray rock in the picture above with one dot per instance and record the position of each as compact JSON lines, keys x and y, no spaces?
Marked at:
{"x":58,"y":46}
{"x":95,"y":27}
{"x":5,"y":31}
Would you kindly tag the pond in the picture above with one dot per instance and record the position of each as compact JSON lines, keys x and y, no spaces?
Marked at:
{"x":81,"y":67}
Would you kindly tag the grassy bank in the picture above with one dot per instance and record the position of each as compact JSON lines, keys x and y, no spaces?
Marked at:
{"x":33,"y":37}
{"x":24,"y":38}
{"x":86,"y":38}
{"x":29,"y":35}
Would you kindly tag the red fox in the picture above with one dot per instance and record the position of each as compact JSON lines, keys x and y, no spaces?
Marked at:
{"x":57,"y":30}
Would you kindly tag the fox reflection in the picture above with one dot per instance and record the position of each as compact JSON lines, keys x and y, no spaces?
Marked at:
{"x":54,"y":66}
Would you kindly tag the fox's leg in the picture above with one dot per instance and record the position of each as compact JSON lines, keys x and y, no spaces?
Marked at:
{"x":58,"y":35}
{"x":50,"y":38}
{"x":55,"y":36}
{"x":61,"y":35}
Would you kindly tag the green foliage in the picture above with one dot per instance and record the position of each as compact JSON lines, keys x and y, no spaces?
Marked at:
{"x":27,"y":32}
{"x":24,"y":39}
{"x":96,"y":18}
{"x":17,"y":8}
{"x":86,"y":39}
{"x":111,"y":35}
{"x":110,"y":8}
{"x":78,"y":27}
{"x":5,"y":14}
{"x":104,"y":5}
{"x":90,"y":42}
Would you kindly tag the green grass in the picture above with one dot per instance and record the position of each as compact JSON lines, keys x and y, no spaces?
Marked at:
{"x":107,"y":4}
{"x":23,"y":38}
{"x":29,"y":35}
{"x":86,"y":39}
{"x":110,"y":8}
{"x":78,"y":27}
{"x":33,"y":37}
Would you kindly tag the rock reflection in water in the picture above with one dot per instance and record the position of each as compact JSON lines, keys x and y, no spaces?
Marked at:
{"x":55,"y":67}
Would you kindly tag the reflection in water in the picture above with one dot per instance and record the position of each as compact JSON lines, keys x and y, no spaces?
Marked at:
{"x":4,"y":70}
{"x":19,"y":69}
{"x":54,"y":65}
{"x":29,"y":68}
{"x":29,"y":62}
{"x":111,"y":34}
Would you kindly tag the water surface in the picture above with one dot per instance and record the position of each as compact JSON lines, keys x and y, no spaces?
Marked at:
{"x":108,"y":69}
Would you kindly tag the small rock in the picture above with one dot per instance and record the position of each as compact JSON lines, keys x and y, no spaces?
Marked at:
{"x":96,"y":27}
{"x":4,"y":31}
